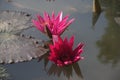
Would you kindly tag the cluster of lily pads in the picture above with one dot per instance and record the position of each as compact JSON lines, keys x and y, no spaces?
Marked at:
{"x":16,"y":48}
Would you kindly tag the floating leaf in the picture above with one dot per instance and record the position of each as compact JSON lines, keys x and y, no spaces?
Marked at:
{"x":17,"y":49}
{"x":14,"y":22}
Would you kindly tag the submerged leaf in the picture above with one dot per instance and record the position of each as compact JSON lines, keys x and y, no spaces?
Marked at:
{"x":18,"y":49}
{"x":14,"y":22}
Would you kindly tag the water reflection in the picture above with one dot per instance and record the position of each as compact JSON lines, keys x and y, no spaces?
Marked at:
{"x":50,"y":0}
{"x":67,"y":70}
{"x":45,"y":59}
{"x":3,"y":73}
{"x":95,"y":18}
{"x":110,"y":41}
{"x":12,"y":0}
{"x":45,"y":56}
{"x":9,"y":0}
{"x":96,"y":11}
{"x":117,"y":20}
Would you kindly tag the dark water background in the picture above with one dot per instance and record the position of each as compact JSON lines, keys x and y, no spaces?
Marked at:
{"x":102,"y":40}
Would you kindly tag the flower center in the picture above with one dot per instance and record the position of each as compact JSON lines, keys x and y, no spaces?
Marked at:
{"x":65,"y":58}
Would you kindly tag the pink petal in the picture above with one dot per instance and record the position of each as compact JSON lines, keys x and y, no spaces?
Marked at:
{"x":38,"y":26}
{"x":60,"y":40}
{"x":77,"y":59}
{"x":80,"y":51}
{"x":71,"y":42}
{"x":53,"y":15}
{"x":46,"y":17}
{"x":80,"y":45}
{"x":68,"y":23}
{"x":40,"y":19}
{"x":51,"y":47}
{"x":59,"y":17}
{"x":64,"y":20}
{"x":62,"y":29}
{"x":67,"y":62}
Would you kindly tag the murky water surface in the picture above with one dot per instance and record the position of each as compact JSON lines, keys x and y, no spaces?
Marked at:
{"x":101,"y":35}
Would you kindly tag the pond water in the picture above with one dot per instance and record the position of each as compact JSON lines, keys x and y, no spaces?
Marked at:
{"x":101,"y":39}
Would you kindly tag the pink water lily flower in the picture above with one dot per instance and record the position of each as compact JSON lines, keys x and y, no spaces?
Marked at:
{"x":61,"y":52}
{"x":54,"y":25}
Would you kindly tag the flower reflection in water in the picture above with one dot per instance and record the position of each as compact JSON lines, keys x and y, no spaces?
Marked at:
{"x":3,"y":73}
{"x":67,"y":71}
